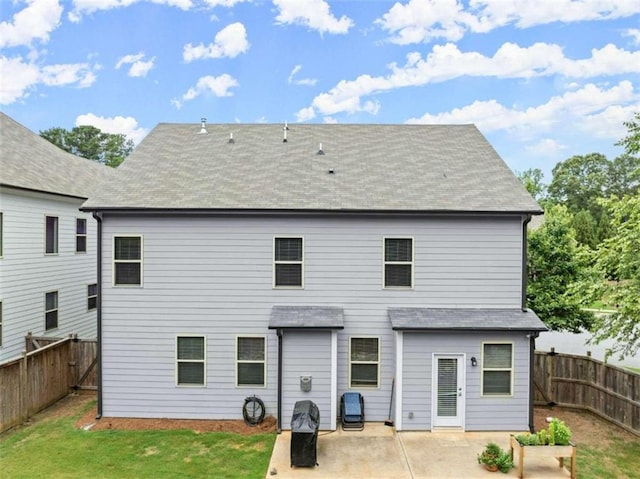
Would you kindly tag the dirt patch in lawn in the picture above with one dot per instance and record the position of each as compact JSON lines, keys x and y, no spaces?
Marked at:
{"x":586,"y":428}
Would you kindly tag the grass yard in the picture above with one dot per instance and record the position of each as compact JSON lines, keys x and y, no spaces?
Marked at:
{"x":54,"y":448}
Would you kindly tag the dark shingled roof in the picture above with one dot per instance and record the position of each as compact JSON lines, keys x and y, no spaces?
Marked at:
{"x":30,"y":162}
{"x":373,"y":168}
{"x":306,"y":317}
{"x":464,"y":319}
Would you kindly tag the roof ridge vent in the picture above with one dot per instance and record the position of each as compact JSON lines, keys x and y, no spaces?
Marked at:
{"x":203,"y":126}
{"x":231,"y":140}
{"x":284,"y":131}
{"x":320,"y":150}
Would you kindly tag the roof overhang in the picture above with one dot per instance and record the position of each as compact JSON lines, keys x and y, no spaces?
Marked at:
{"x":458,"y":319}
{"x":306,"y":317}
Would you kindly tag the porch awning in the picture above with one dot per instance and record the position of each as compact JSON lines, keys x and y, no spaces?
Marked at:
{"x":306,"y":317}
{"x":458,"y":319}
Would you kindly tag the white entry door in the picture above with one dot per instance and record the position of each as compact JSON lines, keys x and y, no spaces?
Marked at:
{"x":448,"y":390}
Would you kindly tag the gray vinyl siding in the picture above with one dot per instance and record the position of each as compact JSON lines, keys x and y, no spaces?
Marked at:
{"x":307,"y":354}
{"x":214,"y":276}
{"x":481,"y":412}
{"x":26,"y":273}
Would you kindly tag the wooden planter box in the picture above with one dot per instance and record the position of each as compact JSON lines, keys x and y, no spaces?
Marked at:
{"x":559,"y":452}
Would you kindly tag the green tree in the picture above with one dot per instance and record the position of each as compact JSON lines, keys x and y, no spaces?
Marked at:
{"x":631,"y":142}
{"x":532,"y":179}
{"x":617,"y":276}
{"x":90,"y":142}
{"x":555,"y":267}
{"x":586,"y":228}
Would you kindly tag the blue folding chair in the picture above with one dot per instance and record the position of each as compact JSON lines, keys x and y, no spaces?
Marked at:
{"x":352,"y":411}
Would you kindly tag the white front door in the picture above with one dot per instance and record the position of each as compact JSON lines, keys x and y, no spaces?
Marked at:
{"x":448,"y":390}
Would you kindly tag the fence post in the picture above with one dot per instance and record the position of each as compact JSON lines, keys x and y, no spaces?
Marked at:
{"x":22,"y":385}
{"x":551,"y":373}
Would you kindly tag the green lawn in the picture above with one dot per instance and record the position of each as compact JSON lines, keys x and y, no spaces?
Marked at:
{"x":615,"y":459}
{"x":54,"y":448}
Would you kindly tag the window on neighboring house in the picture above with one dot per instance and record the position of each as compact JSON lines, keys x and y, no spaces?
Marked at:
{"x":250,"y":361}
{"x":288,"y":262}
{"x":0,"y":324}
{"x":190,"y":360}
{"x":51,"y":234}
{"x":398,"y":262}
{"x":364,"y":362}
{"x":92,"y":296}
{"x":497,"y":369}
{"x":1,"y":235}
{"x":81,"y":235}
{"x":50,"y":310}
{"x":127,"y":260}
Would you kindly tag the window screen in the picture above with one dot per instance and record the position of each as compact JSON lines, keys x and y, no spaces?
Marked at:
{"x":398,"y":262}
{"x":497,"y":366}
{"x":364,"y":362}
{"x":251,"y":361}
{"x":190,"y":358}
{"x":288,"y":258}
{"x":127,"y":255}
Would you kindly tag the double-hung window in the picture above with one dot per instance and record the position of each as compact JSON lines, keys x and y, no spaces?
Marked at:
{"x":190,"y":360}
{"x":127,"y":261}
{"x":398,"y":262}
{"x":81,"y":235}
{"x":288,"y":271}
{"x":51,"y":235}
{"x":497,"y":369}
{"x":92,"y":296}
{"x":364,"y":362}
{"x":250,"y":361}
{"x":50,"y":310}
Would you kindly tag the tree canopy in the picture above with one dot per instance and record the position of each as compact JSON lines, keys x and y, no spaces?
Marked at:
{"x":90,"y":142}
{"x":554,"y":268}
{"x":631,"y":142}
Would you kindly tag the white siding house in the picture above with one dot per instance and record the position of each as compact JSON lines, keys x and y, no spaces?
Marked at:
{"x":346,"y":258}
{"x":48,"y":282}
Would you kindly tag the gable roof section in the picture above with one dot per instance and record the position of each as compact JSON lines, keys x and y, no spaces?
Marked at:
{"x":30,"y":162}
{"x":376,"y":168}
{"x":435,"y":319}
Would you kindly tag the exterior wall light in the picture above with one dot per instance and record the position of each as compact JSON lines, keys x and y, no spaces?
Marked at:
{"x":474,"y":361}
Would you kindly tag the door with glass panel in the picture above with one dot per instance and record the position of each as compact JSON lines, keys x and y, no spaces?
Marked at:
{"x":448,"y":390}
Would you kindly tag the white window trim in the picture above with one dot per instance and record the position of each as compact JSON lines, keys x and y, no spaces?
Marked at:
{"x":378,"y":362}
{"x":511,"y":369}
{"x":411,"y":263}
{"x":301,"y":263}
{"x":57,"y":252}
{"x":89,"y":296}
{"x":203,"y":361}
{"x":56,"y":309}
{"x":238,"y":361}
{"x":85,"y":235}
{"x":113,"y":260}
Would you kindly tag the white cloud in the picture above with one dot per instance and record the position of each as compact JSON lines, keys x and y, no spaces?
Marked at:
{"x":591,"y":108}
{"x":223,"y":3}
{"x":87,"y":7}
{"x":418,"y":20}
{"x":230,"y":42}
{"x":446,"y":62}
{"x":218,"y":86}
{"x":117,"y":125}
{"x":305,"y":114}
{"x":36,"y":21}
{"x":302,"y":81}
{"x":138,"y":67}
{"x":634,"y":33}
{"x":545,"y":147}
{"x":25,"y":76}
{"x":313,"y":14}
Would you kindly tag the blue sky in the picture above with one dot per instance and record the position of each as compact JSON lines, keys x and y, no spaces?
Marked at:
{"x":543,"y":80}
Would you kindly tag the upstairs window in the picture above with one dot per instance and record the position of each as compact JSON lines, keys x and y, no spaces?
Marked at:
{"x":288,"y":263}
{"x":81,"y":235}
{"x":51,"y":310}
{"x":250,"y":361}
{"x":92,"y":296}
{"x":127,"y":261}
{"x":398,"y":263}
{"x":190,"y":360}
{"x":51,"y":235}
{"x":497,"y":369}
{"x":364,"y":362}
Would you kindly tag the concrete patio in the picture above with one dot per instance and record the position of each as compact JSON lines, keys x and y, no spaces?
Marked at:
{"x":380,"y":452}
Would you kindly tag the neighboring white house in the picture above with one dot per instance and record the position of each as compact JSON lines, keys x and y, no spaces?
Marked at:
{"x":241,"y":260}
{"x":47,"y":246}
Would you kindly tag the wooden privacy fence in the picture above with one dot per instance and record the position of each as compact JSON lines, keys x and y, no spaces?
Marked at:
{"x":42,"y":376}
{"x":582,"y":382}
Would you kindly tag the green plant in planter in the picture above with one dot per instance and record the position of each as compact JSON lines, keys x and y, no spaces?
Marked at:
{"x":494,"y":458}
{"x":559,"y":433}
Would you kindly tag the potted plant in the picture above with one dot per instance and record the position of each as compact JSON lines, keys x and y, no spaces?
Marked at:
{"x":493,"y":458}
